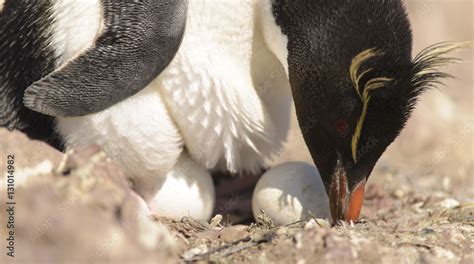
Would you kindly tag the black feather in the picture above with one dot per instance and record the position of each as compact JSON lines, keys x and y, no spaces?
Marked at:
{"x":25,"y":57}
{"x":140,"y":39}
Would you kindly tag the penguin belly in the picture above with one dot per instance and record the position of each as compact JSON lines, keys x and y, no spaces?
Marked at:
{"x":227,"y":93}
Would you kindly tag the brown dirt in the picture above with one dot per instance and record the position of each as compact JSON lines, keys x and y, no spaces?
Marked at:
{"x":398,"y":225}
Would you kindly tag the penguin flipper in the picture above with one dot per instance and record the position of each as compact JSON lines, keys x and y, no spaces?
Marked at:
{"x":139,"y":40}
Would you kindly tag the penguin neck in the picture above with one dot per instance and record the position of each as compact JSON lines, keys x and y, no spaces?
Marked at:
{"x":281,"y":28}
{"x":273,"y":34}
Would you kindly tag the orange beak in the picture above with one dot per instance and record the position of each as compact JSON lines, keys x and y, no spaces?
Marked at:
{"x":345,"y":205}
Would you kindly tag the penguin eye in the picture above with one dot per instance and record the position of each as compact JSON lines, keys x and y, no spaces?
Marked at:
{"x":341,"y":127}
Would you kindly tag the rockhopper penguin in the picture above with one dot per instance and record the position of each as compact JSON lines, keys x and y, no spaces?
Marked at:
{"x":224,"y":99}
{"x":354,"y":85}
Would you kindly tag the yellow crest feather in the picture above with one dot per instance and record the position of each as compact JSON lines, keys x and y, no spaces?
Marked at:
{"x":371,"y":85}
{"x":426,"y":73}
{"x":428,"y":60}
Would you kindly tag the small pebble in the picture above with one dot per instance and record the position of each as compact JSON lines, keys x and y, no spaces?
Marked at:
{"x":311,"y":224}
{"x":190,"y":254}
{"x":399,"y":194}
{"x":298,"y":239}
{"x":209,"y":234}
{"x":281,"y":232}
{"x":427,"y":231}
{"x":444,"y":254}
{"x":233,"y":233}
{"x":216,"y":221}
{"x":450,"y":203}
{"x":317,"y":222}
{"x":417,"y":207}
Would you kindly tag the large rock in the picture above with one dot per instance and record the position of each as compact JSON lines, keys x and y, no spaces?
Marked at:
{"x":28,"y":153}
{"x":77,"y":209}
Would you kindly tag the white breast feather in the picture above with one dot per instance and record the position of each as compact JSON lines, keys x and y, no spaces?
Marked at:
{"x":138,"y":133}
{"x":211,"y":93}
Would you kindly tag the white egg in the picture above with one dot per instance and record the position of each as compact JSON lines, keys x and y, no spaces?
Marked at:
{"x":188,"y":190}
{"x":291,"y":192}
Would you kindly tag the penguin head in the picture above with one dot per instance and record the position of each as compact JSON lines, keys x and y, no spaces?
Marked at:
{"x":354,"y":85}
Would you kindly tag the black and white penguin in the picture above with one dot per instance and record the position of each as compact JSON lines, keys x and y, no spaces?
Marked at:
{"x":354,"y":84}
{"x":223,"y":102}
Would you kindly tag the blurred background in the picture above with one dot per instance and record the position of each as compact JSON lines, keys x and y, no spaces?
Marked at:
{"x":436,"y":150}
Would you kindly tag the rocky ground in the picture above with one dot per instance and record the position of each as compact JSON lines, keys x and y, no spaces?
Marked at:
{"x":78,"y":208}
{"x":419,"y":207}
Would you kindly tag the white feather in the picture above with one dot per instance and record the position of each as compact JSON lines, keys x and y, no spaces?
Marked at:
{"x":77,"y":23}
{"x":138,"y":133}
{"x":274,"y":37}
{"x":230,"y":118}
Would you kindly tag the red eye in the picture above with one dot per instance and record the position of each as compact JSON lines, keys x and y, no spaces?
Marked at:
{"x":342,"y":127}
